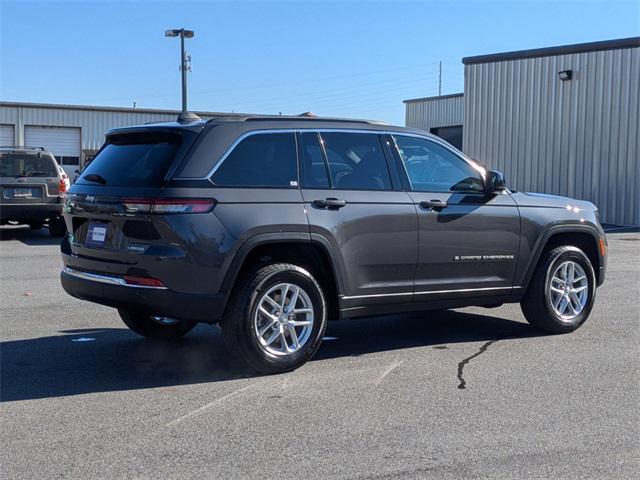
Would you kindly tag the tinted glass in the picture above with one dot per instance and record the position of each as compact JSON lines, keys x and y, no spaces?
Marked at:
{"x":314,"y":167}
{"x":261,"y":160}
{"x":133,"y":160}
{"x":356,"y":161}
{"x":433,"y":168}
{"x":27,"y":165}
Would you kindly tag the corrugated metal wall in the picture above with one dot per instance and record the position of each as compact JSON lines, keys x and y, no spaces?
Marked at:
{"x":93,"y":123}
{"x":428,"y":113}
{"x":578,"y":138}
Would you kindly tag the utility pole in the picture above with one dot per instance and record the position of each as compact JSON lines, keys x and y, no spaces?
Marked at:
{"x":185,"y":66}
{"x":440,"y":78}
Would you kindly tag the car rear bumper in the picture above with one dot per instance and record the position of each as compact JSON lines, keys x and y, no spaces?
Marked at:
{"x":111,"y":291}
{"x":30,"y":212}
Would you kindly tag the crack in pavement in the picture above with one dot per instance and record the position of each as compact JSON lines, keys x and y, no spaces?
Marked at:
{"x":481,"y":350}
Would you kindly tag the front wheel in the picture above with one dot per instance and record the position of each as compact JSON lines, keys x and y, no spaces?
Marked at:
{"x":561,"y":292}
{"x":156,"y":327}
{"x":276,"y":321}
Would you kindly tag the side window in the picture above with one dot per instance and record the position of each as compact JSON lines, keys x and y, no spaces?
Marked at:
{"x":313,"y":167}
{"x":433,"y":168}
{"x":260,"y":160}
{"x":356,"y":161}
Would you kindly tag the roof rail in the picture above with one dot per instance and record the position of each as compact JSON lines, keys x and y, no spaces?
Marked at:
{"x":289,"y":118}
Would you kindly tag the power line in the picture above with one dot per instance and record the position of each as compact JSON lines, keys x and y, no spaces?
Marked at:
{"x":349,"y":92}
{"x":280,"y":84}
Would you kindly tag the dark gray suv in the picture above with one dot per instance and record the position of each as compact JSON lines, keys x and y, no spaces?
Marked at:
{"x":270,"y":226}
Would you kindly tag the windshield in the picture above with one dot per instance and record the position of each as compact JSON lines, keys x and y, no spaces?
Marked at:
{"x":14,"y":164}
{"x":134,"y":159}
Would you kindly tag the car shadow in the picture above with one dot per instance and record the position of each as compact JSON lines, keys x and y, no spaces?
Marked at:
{"x":24,"y":234}
{"x":113,"y":359}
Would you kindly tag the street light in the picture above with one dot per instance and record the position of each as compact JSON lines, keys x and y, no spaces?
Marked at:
{"x":185,"y":115}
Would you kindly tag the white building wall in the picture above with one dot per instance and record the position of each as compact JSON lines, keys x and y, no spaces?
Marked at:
{"x":93,"y":121}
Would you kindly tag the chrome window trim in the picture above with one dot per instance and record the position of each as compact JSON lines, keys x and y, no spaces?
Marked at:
{"x":95,"y":277}
{"x":227,"y":152}
{"x":217,"y":165}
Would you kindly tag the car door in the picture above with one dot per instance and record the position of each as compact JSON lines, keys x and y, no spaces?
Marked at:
{"x":355,"y":201}
{"x":468,"y":240}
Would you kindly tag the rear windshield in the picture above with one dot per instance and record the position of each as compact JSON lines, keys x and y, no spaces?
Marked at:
{"x":15,"y":164}
{"x":133,"y":160}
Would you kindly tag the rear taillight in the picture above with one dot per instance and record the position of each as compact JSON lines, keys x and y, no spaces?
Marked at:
{"x":168,"y":205}
{"x":62,"y":187}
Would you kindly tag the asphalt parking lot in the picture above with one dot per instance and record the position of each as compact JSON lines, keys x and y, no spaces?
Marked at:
{"x":472,"y":393}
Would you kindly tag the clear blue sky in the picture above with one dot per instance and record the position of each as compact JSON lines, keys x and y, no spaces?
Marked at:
{"x":357,"y":59}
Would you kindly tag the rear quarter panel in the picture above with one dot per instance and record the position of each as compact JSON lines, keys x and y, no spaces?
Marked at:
{"x":243,"y":213}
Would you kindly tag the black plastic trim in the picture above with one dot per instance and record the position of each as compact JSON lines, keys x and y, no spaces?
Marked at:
{"x":544,"y":239}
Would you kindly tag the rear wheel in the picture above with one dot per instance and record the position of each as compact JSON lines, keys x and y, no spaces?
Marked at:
{"x":156,"y":327}
{"x":57,"y":227}
{"x":276,"y":321}
{"x":561,"y":292}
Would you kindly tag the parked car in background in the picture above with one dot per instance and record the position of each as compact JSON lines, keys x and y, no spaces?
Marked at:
{"x":65,"y":177}
{"x":270,"y":226}
{"x":33,"y":187}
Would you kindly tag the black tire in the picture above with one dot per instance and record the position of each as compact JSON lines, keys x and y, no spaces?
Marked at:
{"x":238,"y":323}
{"x":57,"y":227}
{"x":145,"y":326}
{"x":35,"y":225}
{"x":536,"y":304}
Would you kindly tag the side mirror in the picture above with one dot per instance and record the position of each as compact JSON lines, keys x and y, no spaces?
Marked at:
{"x":494,"y":182}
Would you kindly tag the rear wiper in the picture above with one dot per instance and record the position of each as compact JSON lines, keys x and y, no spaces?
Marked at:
{"x":94,"y":177}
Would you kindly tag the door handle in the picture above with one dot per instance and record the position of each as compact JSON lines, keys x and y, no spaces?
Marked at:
{"x":434,"y":204}
{"x":330,"y":203}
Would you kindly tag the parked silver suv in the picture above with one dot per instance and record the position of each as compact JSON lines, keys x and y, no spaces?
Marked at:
{"x":32,"y":189}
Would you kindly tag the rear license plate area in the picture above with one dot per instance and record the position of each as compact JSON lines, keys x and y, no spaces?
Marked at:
{"x":97,"y":234}
{"x":21,"y":192}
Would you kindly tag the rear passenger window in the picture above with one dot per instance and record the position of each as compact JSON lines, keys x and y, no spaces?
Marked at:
{"x":313,"y":166}
{"x":356,"y":161}
{"x":260,"y":160}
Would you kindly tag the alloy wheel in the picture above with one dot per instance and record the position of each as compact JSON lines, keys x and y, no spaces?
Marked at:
{"x":568,"y":290}
{"x":284,"y":319}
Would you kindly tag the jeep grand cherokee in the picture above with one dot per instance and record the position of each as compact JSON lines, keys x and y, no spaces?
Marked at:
{"x":270,"y":226}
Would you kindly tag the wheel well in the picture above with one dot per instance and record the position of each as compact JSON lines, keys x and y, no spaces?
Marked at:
{"x":310,"y":256}
{"x":583,"y":241}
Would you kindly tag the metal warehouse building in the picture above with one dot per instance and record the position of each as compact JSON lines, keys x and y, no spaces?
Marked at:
{"x":73,"y":133}
{"x":561,"y":120}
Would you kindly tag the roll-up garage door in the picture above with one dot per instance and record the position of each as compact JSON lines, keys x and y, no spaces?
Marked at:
{"x":7,"y":138}
{"x":63,"y":142}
